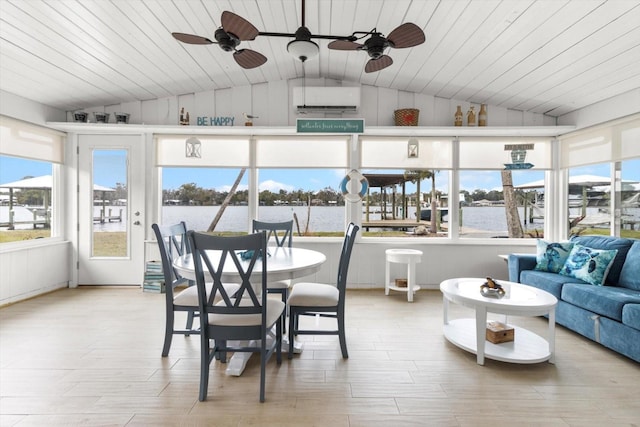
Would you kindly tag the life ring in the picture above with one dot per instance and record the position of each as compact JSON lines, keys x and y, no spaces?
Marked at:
{"x":347,"y":193}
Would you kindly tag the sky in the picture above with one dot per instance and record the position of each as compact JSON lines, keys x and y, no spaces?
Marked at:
{"x":112,"y":172}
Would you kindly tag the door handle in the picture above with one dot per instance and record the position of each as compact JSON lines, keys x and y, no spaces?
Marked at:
{"x":136,"y":222}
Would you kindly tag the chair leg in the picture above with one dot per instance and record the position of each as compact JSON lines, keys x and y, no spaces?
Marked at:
{"x":292,"y":317}
{"x":204,"y":365}
{"x":343,"y":339}
{"x":285,"y":295}
{"x":168,"y":333}
{"x":279,"y":339}
{"x":263,"y":367}
{"x":189,"y":326}
{"x":221,"y":355}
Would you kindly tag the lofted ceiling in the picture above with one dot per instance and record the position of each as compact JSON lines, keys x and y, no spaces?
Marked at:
{"x":541,"y":56}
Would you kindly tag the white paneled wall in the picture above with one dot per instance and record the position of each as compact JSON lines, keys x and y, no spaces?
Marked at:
{"x":271,"y":102}
{"x":33,"y":270}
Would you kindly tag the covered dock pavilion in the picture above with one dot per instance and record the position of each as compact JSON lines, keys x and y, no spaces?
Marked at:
{"x":392,"y":214}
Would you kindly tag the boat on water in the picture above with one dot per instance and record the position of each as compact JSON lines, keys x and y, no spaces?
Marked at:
{"x":425,"y":214}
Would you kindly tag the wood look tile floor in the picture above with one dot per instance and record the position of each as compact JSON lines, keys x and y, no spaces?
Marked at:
{"x":91,"y":356}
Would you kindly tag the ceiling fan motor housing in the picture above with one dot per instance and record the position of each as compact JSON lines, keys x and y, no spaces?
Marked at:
{"x":227,"y":41}
{"x":376,"y":45}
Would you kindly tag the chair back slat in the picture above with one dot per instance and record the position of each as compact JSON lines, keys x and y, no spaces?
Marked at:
{"x":213,"y":256}
{"x":285,"y":228}
{"x":172,"y":243}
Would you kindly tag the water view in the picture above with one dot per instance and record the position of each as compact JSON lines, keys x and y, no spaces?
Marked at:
{"x":487,"y":221}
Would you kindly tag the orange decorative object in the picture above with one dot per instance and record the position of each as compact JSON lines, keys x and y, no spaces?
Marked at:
{"x":407,"y":117}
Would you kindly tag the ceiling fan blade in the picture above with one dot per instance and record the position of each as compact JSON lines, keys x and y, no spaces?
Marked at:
{"x":238,"y":26}
{"x":344,"y":45}
{"x":406,"y":35}
{"x":378,"y":64}
{"x":191,"y":38}
{"x":248,"y":58}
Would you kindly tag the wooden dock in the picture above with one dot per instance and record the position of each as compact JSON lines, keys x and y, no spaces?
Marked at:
{"x":396,"y":224}
{"x":108,"y":217}
{"x":25,"y":216}
{"x":11,"y":224}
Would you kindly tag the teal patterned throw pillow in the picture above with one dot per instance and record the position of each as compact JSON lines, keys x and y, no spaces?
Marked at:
{"x":551,"y":257}
{"x":590,"y":265}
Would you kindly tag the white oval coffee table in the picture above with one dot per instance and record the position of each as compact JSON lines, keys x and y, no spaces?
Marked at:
{"x":520,"y":300}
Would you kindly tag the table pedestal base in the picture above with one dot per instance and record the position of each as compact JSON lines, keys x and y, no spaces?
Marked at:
{"x":237,"y":362}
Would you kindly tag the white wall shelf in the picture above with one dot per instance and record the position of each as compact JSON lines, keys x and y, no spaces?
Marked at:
{"x":452,"y":131}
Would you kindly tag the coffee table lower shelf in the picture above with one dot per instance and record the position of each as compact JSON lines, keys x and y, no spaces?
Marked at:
{"x":527,"y":347}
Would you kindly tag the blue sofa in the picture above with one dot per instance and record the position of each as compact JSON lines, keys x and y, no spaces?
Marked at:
{"x":608,"y":314}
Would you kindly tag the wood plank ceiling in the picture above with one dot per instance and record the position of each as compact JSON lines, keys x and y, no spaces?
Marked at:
{"x":542,"y":56}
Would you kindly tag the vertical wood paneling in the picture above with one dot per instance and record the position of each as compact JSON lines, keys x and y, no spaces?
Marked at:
{"x":369,"y":105}
{"x":528,"y":55}
{"x":277,"y":104}
{"x":387,"y":104}
{"x":204,"y":103}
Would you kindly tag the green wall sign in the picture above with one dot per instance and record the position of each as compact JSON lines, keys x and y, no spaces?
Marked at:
{"x":330,"y":125}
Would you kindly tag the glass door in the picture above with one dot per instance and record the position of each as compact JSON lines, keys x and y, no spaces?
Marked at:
{"x":111,"y":199}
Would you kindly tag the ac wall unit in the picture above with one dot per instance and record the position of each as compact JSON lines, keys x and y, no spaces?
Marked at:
{"x":336,"y":99}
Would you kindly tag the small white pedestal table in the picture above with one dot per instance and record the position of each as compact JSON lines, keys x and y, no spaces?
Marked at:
{"x":403,"y":256}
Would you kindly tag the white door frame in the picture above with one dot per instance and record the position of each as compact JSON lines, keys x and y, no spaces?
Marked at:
{"x":127,"y":270}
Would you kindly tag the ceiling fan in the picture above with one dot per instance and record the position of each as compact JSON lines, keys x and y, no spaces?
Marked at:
{"x":406,"y":35}
{"x":234,"y":29}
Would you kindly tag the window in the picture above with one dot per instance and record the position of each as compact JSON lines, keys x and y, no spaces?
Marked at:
{"x":309,"y":193}
{"x":29,"y":172}
{"x":590,"y":199}
{"x":309,"y":197}
{"x":604,"y":172}
{"x":502,"y":186}
{"x":629,"y":200}
{"x":405,"y":175}
{"x":195,"y":187}
{"x":197,"y":196}
{"x":483,"y":205}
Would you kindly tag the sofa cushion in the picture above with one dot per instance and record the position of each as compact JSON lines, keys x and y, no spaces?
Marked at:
{"x":608,"y":242}
{"x":607,"y":301}
{"x":551,"y":256}
{"x":550,"y":282}
{"x":588,"y":264}
{"x":630,"y":274}
{"x":631,"y":315}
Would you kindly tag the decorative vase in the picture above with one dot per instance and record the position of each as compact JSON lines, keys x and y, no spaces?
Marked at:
{"x":471,"y":117}
{"x":458,"y":117}
{"x":184,"y":117}
{"x":482,"y":115}
{"x":122,"y":118}
{"x":101,"y":117}
{"x":80,"y":116}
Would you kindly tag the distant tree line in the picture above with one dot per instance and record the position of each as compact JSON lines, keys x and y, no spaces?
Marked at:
{"x":192,"y":194}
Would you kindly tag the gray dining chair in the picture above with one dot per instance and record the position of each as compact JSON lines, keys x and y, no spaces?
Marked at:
{"x":324,"y":300}
{"x":239,"y":322}
{"x":180,"y":293}
{"x":282,"y":233}
{"x":172,"y":243}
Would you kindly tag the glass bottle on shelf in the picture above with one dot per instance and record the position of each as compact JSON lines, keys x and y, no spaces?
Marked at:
{"x":471,"y":116}
{"x":482,"y":115}
{"x":458,"y":117}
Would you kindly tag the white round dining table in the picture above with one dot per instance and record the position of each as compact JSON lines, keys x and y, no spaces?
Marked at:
{"x":283,"y":263}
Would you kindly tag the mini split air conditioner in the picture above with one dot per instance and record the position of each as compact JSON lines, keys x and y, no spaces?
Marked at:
{"x":336,"y":99}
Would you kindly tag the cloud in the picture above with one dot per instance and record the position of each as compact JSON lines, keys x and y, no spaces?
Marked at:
{"x":227,"y":188}
{"x":274,"y":186}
